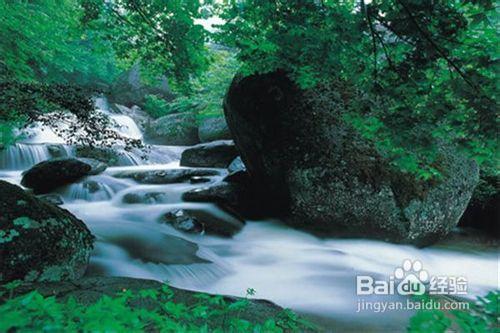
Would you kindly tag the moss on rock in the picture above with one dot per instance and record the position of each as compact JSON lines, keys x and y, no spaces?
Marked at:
{"x":39,"y":241}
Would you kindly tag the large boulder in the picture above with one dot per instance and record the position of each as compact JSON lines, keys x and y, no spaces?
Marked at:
{"x":130,"y":89}
{"x":48,"y":175}
{"x":213,"y":128}
{"x":323,"y":176}
{"x":173,"y":129}
{"x":482,"y":211}
{"x":39,"y":241}
{"x":216,"y":154}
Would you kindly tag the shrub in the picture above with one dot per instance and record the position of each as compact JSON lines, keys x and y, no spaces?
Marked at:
{"x":149,"y":310}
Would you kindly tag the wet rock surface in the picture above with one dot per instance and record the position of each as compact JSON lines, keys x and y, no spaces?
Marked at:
{"x":222,"y":224}
{"x":168,"y":176}
{"x":215,"y":154}
{"x":145,"y":198}
{"x":46,"y":176}
{"x":52,"y":198}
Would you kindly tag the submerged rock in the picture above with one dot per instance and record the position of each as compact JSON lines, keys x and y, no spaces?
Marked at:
{"x":182,"y":221}
{"x":46,"y":176}
{"x":197,"y":221}
{"x":214,"y":128}
{"x":168,"y":176}
{"x":39,"y":241}
{"x":145,"y":198}
{"x":174,"y":129}
{"x":239,"y":198}
{"x":323,"y":176}
{"x":162,"y":249}
{"x":216,"y":154}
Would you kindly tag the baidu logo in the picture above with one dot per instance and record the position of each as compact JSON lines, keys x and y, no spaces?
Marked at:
{"x":410,"y":279}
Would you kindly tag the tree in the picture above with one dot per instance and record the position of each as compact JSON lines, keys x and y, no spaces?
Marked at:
{"x":414,"y":73}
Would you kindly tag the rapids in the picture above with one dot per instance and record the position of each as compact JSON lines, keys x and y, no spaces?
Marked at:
{"x":294,"y":269}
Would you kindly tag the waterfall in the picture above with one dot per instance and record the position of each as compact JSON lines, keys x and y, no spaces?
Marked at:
{"x":22,"y":156}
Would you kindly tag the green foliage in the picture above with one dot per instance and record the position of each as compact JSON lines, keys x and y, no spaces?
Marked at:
{"x":208,"y":90}
{"x":121,"y":313}
{"x":157,"y":107}
{"x":66,"y":109}
{"x":480,"y":317}
{"x":43,"y":40}
{"x":412,"y":74}
{"x":161,"y":35}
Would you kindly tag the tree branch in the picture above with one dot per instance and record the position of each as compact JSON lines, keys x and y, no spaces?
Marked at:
{"x":435,"y":46}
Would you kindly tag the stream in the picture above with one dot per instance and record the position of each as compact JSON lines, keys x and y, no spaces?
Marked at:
{"x":294,"y":269}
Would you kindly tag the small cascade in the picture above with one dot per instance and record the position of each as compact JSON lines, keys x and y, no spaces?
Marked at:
{"x":22,"y":156}
{"x":123,"y":124}
{"x":94,"y":188}
{"x":40,"y":134}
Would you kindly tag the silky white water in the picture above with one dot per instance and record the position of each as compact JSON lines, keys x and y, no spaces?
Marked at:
{"x":289,"y":267}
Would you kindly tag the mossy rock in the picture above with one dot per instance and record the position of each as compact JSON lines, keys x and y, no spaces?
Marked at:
{"x":39,"y":241}
{"x":174,"y":129}
{"x":322,"y":175}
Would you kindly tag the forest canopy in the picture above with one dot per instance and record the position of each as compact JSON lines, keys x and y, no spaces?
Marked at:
{"x":412,"y":73}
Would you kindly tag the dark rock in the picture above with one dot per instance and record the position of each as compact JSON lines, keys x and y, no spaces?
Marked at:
{"x":39,"y":241}
{"x":215,"y":128}
{"x":92,"y":186}
{"x":220,"y":192}
{"x":56,"y":151}
{"x":173,"y":129}
{"x":168,"y":176}
{"x":145,"y":198}
{"x":182,"y":221}
{"x":225,"y":225}
{"x":216,"y":154}
{"x":129,"y":88}
{"x":49,"y":175}
{"x":322,"y":175}
{"x":106,"y":155}
{"x":237,"y":198}
{"x":96,"y":167}
{"x":89,"y":290}
{"x":54,"y":199}
{"x":162,"y":249}
{"x":483,"y":212}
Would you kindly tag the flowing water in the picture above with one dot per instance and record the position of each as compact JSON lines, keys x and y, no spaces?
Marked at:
{"x":294,"y":269}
